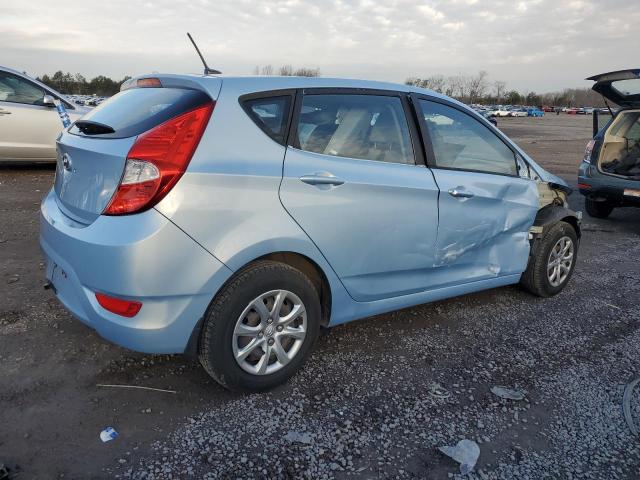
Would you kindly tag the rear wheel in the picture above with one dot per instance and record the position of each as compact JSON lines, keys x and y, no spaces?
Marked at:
{"x":551,"y":267}
{"x":597,"y":209}
{"x":260,"y":328}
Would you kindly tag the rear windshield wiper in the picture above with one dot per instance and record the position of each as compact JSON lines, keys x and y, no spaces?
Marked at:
{"x":93,"y":128}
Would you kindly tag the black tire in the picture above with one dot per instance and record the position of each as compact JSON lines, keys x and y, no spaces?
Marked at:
{"x":216,"y":350}
{"x":597,"y":209}
{"x":535,"y":279}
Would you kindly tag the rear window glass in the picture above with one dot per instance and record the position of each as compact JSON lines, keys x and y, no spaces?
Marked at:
{"x":271,"y":114}
{"x":137,"y":110}
{"x":627,"y":87}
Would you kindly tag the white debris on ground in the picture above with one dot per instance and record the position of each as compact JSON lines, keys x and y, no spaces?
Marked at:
{"x":465,"y":452}
{"x":507,"y":393}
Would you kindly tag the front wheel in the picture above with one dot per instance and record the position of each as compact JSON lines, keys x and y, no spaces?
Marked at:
{"x":551,"y":267}
{"x":260,"y":328}
{"x":597,"y":209}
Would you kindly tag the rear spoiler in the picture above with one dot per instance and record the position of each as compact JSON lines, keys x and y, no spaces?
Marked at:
{"x":145,"y":82}
{"x":189,"y":82}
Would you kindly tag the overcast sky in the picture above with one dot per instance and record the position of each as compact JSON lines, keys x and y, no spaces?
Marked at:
{"x":533,"y":45}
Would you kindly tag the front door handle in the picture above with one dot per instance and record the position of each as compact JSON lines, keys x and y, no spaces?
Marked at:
{"x":4,"y":112}
{"x":454,"y":192}
{"x":322,"y":179}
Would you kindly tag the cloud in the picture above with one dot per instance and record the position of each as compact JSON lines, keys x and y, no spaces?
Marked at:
{"x":430,"y":12}
{"x":453,"y":25}
{"x":557,"y":42}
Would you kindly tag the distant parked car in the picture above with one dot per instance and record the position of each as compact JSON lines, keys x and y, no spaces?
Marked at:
{"x":29,"y":122}
{"x":518,"y":112}
{"x":535,"y":112}
{"x":547,"y":109}
{"x":571,"y":111}
{"x":229,"y":218}
{"x":609,"y":175}
{"x":501,"y":112}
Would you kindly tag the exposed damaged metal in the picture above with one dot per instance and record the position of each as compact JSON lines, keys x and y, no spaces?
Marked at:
{"x":553,"y":206}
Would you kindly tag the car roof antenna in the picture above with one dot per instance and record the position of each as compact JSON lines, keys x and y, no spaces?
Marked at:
{"x":207,"y":70}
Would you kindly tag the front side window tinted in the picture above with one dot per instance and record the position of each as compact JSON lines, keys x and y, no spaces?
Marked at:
{"x":369,"y":127}
{"x":271,"y":114}
{"x":18,"y":90}
{"x":463,"y":143}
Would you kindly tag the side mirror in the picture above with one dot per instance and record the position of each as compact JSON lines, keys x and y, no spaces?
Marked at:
{"x":48,"y":101}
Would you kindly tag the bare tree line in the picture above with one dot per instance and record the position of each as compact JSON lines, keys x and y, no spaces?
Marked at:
{"x":480,"y":89}
{"x":286,"y":71}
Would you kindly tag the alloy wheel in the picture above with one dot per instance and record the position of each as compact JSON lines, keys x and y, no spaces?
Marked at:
{"x":560,"y":261}
{"x":269,"y":332}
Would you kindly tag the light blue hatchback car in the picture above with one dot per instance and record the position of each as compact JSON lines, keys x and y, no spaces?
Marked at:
{"x":232,"y":217}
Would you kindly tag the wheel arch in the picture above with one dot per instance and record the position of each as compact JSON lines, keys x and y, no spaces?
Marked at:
{"x":296,"y":260}
{"x":312,"y":270}
{"x":552,"y":214}
{"x":546,"y":218}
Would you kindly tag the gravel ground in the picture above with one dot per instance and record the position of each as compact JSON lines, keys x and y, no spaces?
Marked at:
{"x":376,"y":398}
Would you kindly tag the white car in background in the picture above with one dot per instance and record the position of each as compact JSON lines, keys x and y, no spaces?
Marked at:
{"x":501,"y":111}
{"x":29,"y":121}
{"x":498,"y":111}
{"x":518,"y":112}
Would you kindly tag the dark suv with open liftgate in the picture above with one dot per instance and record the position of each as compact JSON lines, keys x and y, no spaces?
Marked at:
{"x":609,"y":175}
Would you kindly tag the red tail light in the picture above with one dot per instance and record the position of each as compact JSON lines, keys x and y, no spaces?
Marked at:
{"x":149,"y":83}
{"x":157,"y":160}
{"x":124,"y":308}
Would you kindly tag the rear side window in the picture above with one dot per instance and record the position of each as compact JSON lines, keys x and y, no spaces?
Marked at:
{"x":134,"y":111}
{"x":368,"y":127}
{"x":271,"y":114}
{"x":460,"y":142}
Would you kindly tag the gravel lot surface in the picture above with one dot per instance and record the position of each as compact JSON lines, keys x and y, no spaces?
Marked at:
{"x":376,"y":398}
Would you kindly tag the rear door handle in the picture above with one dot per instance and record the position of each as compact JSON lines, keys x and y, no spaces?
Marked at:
{"x":455,"y":192}
{"x":4,"y":112}
{"x":322,"y":179}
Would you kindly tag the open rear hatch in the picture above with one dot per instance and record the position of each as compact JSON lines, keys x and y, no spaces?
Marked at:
{"x":126,"y":154}
{"x":621,"y":87}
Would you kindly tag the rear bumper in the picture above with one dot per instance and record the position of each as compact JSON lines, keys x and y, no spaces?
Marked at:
{"x":141,"y":257}
{"x":606,"y":188}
